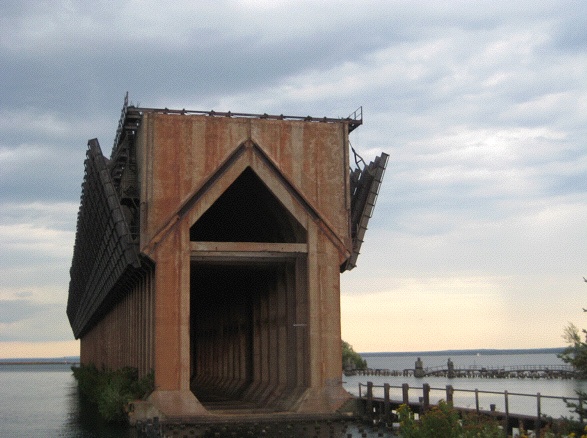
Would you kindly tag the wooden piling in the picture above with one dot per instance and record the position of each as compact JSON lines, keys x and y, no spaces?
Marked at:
{"x":405,"y":395}
{"x":507,"y":412}
{"x":449,"y":394}
{"x":425,"y":396}
{"x":538,"y":416}
{"x":370,"y":399}
{"x":386,"y":403}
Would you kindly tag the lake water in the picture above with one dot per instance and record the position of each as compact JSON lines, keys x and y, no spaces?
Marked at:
{"x":43,"y":400}
{"x":517,"y":404}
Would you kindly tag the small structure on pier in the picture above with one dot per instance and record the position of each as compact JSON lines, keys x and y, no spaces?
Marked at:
{"x":450,"y":368}
{"x":208,"y":250}
{"x":419,"y":368}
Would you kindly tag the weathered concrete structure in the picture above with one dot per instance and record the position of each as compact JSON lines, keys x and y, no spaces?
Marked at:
{"x":209,"y":249}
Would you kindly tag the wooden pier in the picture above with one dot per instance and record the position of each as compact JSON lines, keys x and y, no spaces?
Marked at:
{"x":382,"y":408}
{"x":475,"y":371}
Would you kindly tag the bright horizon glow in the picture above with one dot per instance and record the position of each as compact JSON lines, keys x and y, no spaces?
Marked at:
{"x":38,"y":350}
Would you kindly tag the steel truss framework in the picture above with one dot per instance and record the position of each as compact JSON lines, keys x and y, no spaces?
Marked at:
{"x":106,"y":262}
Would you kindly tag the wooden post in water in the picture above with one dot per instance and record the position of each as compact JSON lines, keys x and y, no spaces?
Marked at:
{"x":507,"y":413}
{"x":370,"y":399}
{"x":449,"y":394}
{"x":538,"y":415}
{"x":386,"y":405}
{"x":405,"y":395}
{"x":426,"y":396}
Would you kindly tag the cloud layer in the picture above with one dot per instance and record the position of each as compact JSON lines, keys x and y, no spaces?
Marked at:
{"x":479,"y":233}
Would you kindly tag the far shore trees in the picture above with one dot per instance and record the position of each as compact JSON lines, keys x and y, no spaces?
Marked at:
{"x":352,"y":359}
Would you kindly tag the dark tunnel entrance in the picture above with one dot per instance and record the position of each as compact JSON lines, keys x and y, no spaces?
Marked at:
{"x":245,"y":335}
{"x":248,"y":302}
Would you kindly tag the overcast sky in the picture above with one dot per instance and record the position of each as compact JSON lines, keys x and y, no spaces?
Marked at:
{"x":479,"y":236}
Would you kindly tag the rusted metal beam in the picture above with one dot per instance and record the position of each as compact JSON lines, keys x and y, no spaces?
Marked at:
{"x":259,"y":247}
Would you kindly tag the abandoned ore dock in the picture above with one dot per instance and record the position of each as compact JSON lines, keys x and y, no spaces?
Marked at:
{"x":208,"y":252}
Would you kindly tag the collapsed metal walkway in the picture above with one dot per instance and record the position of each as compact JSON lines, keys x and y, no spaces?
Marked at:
{"x":365,"y":183}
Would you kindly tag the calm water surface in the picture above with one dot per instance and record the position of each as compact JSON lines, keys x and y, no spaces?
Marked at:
{"x":517,"y":404}
{"x":43,"y":400}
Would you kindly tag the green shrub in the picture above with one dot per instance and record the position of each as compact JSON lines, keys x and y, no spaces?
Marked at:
{"x":408,"y":425}
{"x":444,"y":421}
{"x":111,"y":391}
{"x":563,"y":427}
{"x":478,"y":425}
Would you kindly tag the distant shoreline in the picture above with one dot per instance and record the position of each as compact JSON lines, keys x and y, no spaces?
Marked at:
{"x":37,"y":363}
{"x":70,"y":360}
{"x":73,"y":360}
{"x":481,"y":352}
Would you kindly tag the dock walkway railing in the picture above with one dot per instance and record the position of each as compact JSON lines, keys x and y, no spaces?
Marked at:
{"x":380,"y":403}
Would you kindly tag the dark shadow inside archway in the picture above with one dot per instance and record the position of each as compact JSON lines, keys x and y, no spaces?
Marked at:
{"x":248,"y":212}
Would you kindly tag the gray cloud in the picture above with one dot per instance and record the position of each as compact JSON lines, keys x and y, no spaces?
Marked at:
{"x":481,"y":105}
{"x":16,"y":310}
{"x":23,"y":320}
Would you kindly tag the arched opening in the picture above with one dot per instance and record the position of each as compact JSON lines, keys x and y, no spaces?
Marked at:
{"x":247,"y":212}
{"x":248,"y":309}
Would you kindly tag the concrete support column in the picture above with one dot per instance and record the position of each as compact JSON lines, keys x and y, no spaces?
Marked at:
{"x":172,"y":395}
{"x":325,"y":393}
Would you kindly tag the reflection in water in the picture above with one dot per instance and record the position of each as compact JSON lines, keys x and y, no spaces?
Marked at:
{"x":43,"y":401}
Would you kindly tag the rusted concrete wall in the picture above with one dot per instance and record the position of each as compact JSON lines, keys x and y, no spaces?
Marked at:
{"x":178,"y":154}
{"x":186,"y":163}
